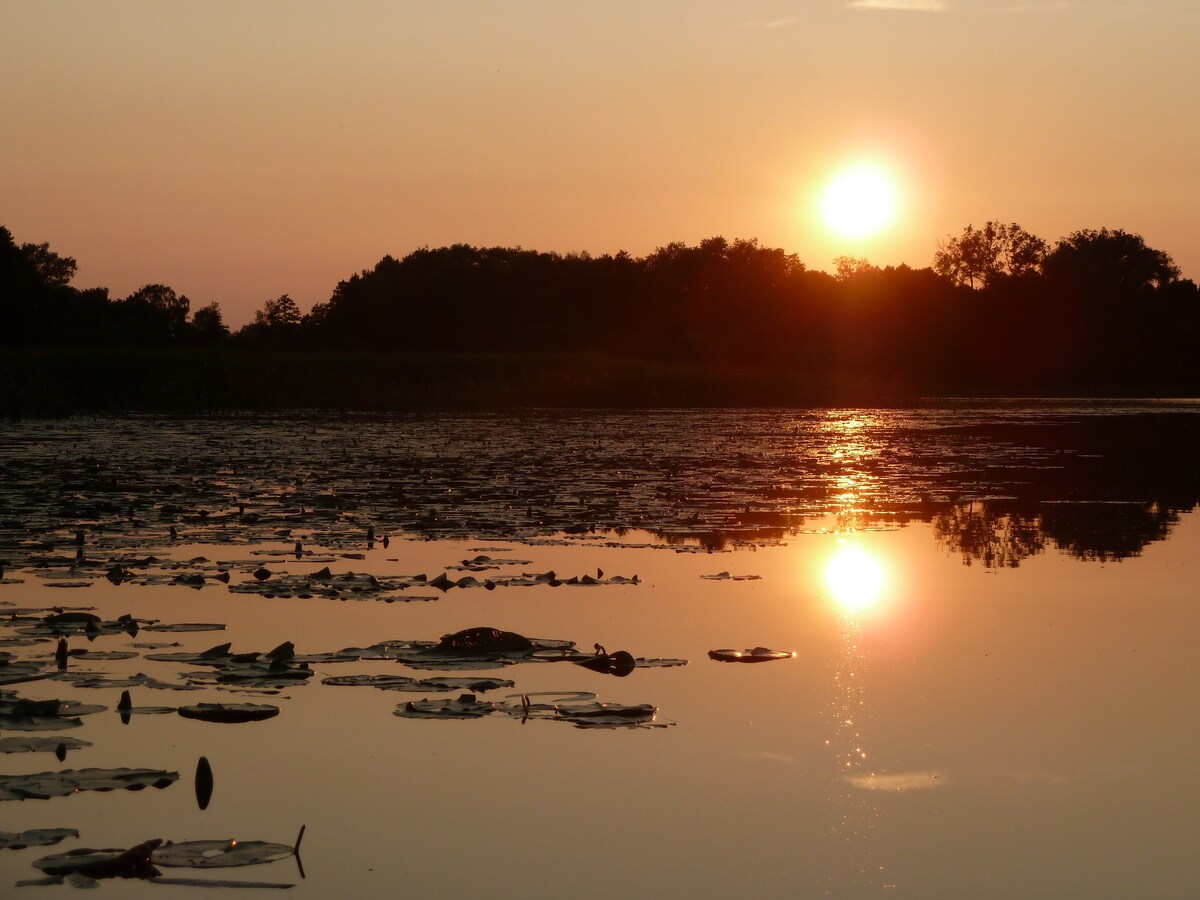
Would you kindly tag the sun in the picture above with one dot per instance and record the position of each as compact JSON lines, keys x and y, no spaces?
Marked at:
{"x":860,"y":201}
{"x":855,"y":578}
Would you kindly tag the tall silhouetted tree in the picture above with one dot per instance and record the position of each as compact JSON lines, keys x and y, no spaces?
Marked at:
{"x":981,"y":256}
{"x":276,"y":324}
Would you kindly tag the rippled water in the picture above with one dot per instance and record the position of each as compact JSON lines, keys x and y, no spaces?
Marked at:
{"x":992,"y":611}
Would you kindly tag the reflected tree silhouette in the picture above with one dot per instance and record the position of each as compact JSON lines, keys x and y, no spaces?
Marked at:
{"x":1000,"y":536}
{"x":1106,"y":532}
{"x":986,"y":532}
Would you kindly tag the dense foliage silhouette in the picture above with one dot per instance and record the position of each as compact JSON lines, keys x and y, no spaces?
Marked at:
{"x":999,"y":312}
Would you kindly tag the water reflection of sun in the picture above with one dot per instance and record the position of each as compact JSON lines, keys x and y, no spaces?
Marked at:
{"x":855,"y":578}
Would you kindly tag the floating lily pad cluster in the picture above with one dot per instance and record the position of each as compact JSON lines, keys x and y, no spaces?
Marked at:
{"x":580,"y":708}
{"x":43,"y":785}
{"x":84,"y":867}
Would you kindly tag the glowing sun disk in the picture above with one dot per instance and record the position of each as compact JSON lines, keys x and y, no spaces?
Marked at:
{"x":855,"y":579}
{"x":860,"y":201}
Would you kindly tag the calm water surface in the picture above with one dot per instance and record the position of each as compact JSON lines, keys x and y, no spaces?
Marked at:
{"x":992,"y":611}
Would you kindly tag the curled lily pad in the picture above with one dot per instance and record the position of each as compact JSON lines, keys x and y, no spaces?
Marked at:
{"x":756,"y":655}
{"x":725,"y":576}
{"x":230,"y":713}
{"x":218,"y":854}
{"x":620,"y":663}
{"x":43,"y":785}
{"x":35,"y":837}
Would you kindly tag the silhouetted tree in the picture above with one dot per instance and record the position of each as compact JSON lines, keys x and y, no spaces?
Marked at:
{"x":1110,"y":260}
{"x":846,"y":267}
{"x":981,"y":256}
{"x":282,"y":312}
{"x":208,"y":325}
{"x":52,"y":269}
{"x":153,"y":313}
{"x":276,"y":324}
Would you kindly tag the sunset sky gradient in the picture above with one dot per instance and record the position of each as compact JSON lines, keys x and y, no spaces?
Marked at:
{"x":238,"y":151}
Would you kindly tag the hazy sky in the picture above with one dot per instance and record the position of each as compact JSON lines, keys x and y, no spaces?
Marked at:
{"x":241,"y":150}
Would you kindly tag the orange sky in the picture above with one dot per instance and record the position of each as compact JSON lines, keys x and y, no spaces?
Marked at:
{"x":238,"y":151}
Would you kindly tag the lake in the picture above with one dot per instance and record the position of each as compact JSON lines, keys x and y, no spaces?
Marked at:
{"x":986,"y":612}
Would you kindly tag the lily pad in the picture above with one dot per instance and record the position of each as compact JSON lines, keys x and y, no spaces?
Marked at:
{"x":184,"y":626}
{"x":35,"y":837}
{"x":755,"y":655}
{"x":218,"y":854}
{"x":464,"y":707}
{"x":40,"y":744}
{"x":229,"y":713}
{"x":404,"y":683}
{"x":43,"y":785}
{"x":111,"y":863}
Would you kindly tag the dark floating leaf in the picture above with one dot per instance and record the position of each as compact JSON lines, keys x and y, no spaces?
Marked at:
{"x":110,"y":863}
{"x":35,"y":837}
{"x":229,"y":713}
{"x":756,"y":655}
{"x":483,"y":641}
{"x":204,"y":783}
{"x":60,"y":784}
{"x":620,"y":663}
{"x":725,"y":576}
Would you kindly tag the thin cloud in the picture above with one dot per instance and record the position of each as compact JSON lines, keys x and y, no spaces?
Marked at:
{"x":774,"y":23}
{"x":1039,"y":7}
{"x":903,"y":5}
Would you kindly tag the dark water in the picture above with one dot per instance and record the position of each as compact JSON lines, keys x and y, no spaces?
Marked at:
{"x":992,"y":610}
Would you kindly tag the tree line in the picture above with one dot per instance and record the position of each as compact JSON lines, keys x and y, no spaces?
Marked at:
{"x":998,"y":310}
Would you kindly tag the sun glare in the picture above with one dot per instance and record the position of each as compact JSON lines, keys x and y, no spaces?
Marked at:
{"x":855,"y":578}
{"x":859,"y":201}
